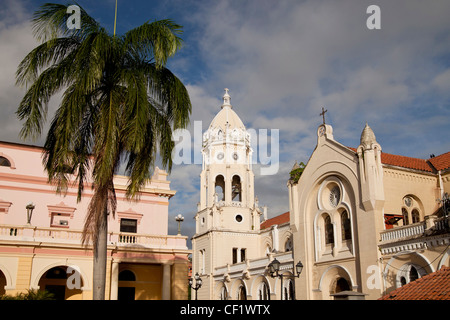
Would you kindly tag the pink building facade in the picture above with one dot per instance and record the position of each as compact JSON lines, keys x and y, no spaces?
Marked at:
{"x":41,"y":249}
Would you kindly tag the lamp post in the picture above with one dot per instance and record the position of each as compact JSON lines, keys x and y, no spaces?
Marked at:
{"x":179,"y":218}
{"x":30,"y":207}
{"x":198,"y":283}
{"x":274,"y":268}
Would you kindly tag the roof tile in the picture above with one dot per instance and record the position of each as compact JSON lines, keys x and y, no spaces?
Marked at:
{"x":280,"y":219}
{"x":433,"y":286}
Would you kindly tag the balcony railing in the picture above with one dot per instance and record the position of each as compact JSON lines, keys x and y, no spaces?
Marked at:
{"x":403,"y":232}
{"x":432,"y":231}
{"x":66,"y":236}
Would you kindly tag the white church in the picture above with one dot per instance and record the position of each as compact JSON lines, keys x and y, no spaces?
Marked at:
{"x":361,"y":223}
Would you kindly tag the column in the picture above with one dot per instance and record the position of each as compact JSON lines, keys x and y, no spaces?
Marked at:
{"x":166,"y":285}
{"x":114,"y":280}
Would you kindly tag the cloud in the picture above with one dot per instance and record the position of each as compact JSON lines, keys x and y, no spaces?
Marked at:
{"x":283,"y":61}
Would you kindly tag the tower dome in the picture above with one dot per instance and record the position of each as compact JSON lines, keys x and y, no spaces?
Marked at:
{"x":226,"y":119}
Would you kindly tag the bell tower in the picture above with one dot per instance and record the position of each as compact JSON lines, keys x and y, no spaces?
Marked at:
{"x":228,"y":217}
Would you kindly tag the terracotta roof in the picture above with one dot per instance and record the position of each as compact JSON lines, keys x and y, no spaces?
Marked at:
{"x":282,"y":218}
{"x":433,"y":286}
{"x":405,"y":162}
{"x":441,"y":162}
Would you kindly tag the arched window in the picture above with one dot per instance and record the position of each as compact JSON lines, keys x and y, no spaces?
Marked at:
{"x":405,"y":217}
{"x":288,"y":290}
{"x":415,"y":216}
{"x":236,"y":190}
{"x":345,"y":226}
{"x":220,"y":188}
{"x":4,"y":162}
{"x":402,"y":281}
{"x":242,"y":293}
{"x":288,"y":245}
{"x":413,"y":274}
{"x":329,"y":234}
{"x":263,"y":291}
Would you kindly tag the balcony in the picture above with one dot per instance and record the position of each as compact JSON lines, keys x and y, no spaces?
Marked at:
{"x":66,"y":237}
{"x":431,"y":232}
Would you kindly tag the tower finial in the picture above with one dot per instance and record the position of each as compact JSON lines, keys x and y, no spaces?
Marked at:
{"x":226,"y":99}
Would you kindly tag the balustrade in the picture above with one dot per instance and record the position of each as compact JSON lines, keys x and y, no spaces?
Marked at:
{"x":57,"y":235}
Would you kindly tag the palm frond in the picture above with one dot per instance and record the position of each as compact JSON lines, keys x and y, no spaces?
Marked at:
{"x":158,"y":40}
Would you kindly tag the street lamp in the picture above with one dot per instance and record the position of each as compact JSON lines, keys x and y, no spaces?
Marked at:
{"x":274,"y":268}
{"x":179,"y":218}
{"x":30,"y":208}
{"x":198,"y":283}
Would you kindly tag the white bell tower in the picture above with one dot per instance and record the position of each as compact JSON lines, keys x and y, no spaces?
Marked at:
{"x":228,"y":217}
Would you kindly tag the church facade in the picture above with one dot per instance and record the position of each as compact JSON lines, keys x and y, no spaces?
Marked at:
{"x":360,"y":221}
{"x":365,"y":221}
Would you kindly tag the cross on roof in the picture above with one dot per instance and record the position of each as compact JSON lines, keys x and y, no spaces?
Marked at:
{"x":323,"y":114}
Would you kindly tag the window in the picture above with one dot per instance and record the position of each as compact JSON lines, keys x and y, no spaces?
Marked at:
{"x":329,"y":234}
{"x":235,"y":258}
{"x":128,"y":225}
{"x":4,"y":162}
{"x":288,"y":245}
{"x":243,"y":251}
{"x":263,"y":291}
{"x":345,"y":226}
{"x":405,"y":217}
{"x":242,"y":293}
{"x":238,"y":255}
{"x":415,"y":216}
{"x":413,"y":274}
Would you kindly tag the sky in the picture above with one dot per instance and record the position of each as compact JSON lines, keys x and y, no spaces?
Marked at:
{"x":283,"y":60}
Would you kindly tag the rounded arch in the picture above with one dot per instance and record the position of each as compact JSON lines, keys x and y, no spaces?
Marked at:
{"x":10,"y":284}
{"x":219,"y":186}
{"x":267,"y":245}
{"x":334,"y":273}
{"x":64,"y":282}
{"x":12,"y":164}
{"x":34,"y":283}
{"x":444,"y":258}
{"x":287,"y":240}
{"x":256,"y":290}
{"x":222,"y":291}
{"x":239,"y":290}
{"x":396,"y":263}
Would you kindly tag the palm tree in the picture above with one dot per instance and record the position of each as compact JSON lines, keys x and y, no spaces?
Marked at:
{"x":120,"y":104}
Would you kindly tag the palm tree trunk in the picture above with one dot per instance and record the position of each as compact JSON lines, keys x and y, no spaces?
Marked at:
{"x":100,"y":252}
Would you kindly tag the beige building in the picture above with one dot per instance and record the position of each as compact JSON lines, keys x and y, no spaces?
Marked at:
{"x":366,"y":221}
{"x":362,"y":222}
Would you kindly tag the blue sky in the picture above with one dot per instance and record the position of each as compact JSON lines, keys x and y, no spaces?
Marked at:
{"x":283,"y":61}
